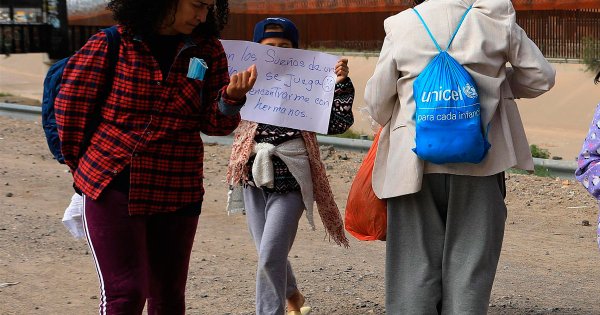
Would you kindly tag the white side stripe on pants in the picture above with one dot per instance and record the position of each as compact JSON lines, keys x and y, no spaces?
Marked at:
{"x":102,"y":305}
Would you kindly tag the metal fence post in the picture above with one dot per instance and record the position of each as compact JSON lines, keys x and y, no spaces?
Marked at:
{"x":56,"y":11}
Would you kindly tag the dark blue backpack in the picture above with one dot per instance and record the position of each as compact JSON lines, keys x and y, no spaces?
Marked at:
{"x":52,"y":87}
{"x":448,"y":113}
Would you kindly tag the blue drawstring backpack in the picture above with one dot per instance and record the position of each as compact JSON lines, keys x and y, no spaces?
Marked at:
{"x":448,"y":113}
{"x":52,"y":83}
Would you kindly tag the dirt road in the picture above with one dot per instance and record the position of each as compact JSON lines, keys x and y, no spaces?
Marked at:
{"x":549,"y":263}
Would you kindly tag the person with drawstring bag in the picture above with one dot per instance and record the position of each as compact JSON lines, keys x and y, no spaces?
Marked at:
{"x":444,"y":96}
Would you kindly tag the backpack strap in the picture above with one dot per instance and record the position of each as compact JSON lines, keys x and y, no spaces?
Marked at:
{"x":453,"y":35}
{"x":114,"y":42}
{"x":458,"y":27}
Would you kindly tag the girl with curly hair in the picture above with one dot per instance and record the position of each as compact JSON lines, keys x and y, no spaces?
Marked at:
{"x":141,"y":174}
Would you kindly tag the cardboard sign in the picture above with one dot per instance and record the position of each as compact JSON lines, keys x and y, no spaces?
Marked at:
{"x":294,"y":87}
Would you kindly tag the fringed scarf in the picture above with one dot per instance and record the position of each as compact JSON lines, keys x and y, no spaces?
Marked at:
{"x":237,"y":172}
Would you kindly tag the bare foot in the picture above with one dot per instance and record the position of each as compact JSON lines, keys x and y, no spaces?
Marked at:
{"x":295,"y":301}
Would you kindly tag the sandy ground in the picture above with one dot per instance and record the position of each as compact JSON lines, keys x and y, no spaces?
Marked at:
{"x":549,"y":263}
{"x":557,"y":121}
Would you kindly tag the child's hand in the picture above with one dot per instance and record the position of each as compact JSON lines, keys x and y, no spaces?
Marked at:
{"x":341,"y":70}
{"x":242,"y":82}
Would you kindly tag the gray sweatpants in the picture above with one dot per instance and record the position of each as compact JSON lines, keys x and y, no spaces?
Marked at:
{"x":443,"y":245}
{"x":273,"y":222}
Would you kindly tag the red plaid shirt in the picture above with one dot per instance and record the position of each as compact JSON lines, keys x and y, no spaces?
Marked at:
{"x":148,"y":122}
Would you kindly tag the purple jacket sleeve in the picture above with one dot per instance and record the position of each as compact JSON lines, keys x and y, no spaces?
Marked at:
{"x":588,"y":168}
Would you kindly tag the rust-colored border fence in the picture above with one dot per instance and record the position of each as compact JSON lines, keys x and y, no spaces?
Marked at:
{"x":361,"y":6}
{"x":79,"y":34}
{"x":347,"y":31}
{"x":19,"y":38}
{"x":561,"y":33}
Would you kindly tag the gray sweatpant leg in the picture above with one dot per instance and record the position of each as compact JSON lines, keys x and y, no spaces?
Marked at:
{"x":443,"y":245}
{"x":273,"y":223}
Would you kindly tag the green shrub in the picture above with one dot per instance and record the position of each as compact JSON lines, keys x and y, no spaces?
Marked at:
{"x":541,"y":171}
{"x":538,"y":152}
{"x":591,"y":54}
{"x":537,"y":171}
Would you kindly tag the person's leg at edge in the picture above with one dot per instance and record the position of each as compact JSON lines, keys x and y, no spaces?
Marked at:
{"x":414,"y":246}
{"x":273,"y":222}
{"x":118,"y":245}
{"x":474,"y":234}
{"x":170,"y":241}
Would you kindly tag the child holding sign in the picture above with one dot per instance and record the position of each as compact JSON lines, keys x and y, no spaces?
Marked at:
{"x":282,"y":175}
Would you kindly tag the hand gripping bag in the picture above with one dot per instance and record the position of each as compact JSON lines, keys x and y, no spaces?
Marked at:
{"x":366,"y":215}
{"x":448,"y":113}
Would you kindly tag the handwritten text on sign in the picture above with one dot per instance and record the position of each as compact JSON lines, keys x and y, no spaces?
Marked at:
{"x":294,"y":87}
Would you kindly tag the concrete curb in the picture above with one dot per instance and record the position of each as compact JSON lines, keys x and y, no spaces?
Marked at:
{"x":17,"y":111}
{"x":557,"y":168}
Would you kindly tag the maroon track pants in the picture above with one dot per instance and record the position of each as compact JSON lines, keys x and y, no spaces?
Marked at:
{"x":138,"y":258}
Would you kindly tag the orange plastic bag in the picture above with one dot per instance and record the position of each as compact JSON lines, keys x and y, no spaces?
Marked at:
{"x":366,"y":215}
